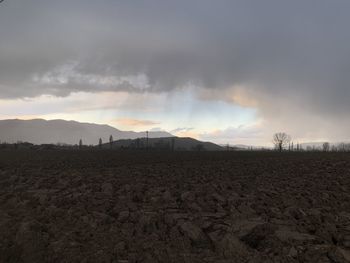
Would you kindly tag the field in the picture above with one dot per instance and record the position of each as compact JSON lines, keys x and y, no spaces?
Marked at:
{"x":103,"y":206}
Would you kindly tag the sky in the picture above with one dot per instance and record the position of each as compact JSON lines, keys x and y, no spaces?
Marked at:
{"x":227,"y":71}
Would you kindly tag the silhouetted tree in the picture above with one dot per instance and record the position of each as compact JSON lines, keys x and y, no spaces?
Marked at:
{"x":281,"y":140}
{"x":173,"y":144}
{"x":100,"y":143}
{"x":343,"y":147}
{"x":347,"y":147}
{"x":80,"y":143}
{"x":326,"y":147}
{"x":111,"y":141}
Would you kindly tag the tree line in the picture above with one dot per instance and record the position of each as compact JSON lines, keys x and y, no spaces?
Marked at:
{"x":283,"y":142}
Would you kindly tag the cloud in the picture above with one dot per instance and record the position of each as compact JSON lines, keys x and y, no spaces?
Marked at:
{"x":135,"y":122}
{"x":184,"y":129}
{"x":238,"y":95}
{"x":281,"y":57}
{"x":69,"y":75}
{"x":273,"y":44}
{"x":242,"y":134}
{"x":185,"y":132}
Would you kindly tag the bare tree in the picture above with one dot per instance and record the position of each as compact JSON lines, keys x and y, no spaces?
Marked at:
{"x":111,"y":141}
{"x":343,"y":147}
{"x":281,"y":140}
{"x":326,"y":147}
{"x":173,"y":144}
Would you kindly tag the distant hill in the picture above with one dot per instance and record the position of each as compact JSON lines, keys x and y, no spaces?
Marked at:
{"x":186,"y":144}
{"x":39,"y":131}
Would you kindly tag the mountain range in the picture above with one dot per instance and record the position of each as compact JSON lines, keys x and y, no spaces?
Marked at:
{"x":39,"y":131}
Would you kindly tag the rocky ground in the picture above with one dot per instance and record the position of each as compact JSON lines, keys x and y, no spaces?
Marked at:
{"x":102,"y":206}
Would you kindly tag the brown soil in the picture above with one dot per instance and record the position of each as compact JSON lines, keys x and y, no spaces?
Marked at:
{"x":80,"y":206}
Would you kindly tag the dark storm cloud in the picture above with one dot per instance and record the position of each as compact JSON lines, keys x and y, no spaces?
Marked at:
{"x":296,"y":49}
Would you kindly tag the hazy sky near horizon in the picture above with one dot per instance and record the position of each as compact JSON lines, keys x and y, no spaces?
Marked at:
{"x":229,"y":71}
